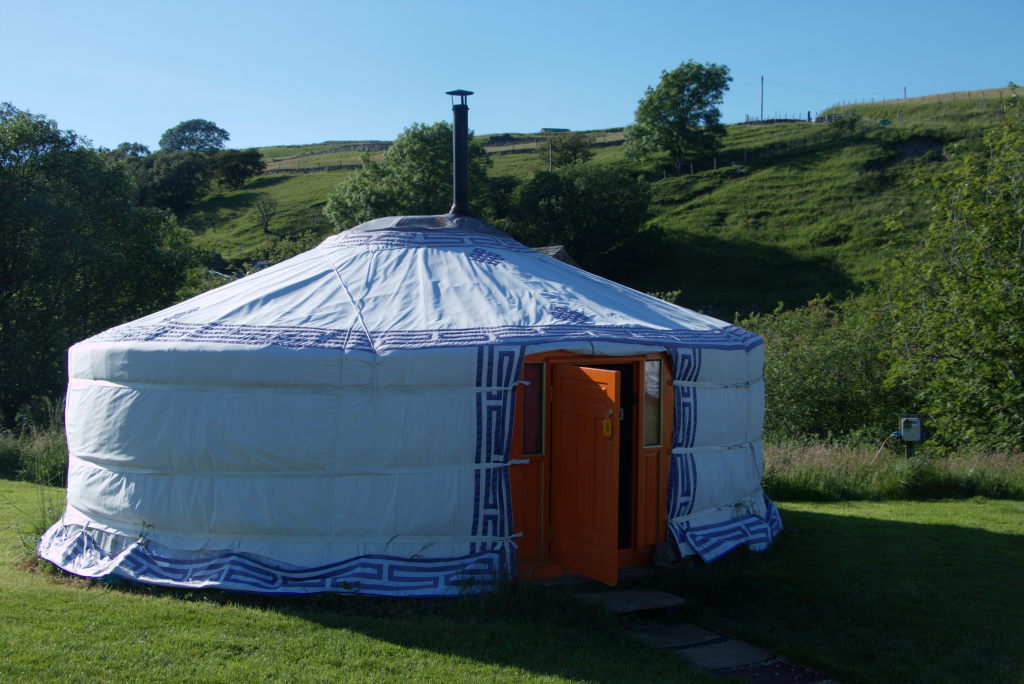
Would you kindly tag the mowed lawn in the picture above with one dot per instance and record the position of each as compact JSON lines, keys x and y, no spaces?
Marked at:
{"x":892,"y":591}
{"x":55,"y":628}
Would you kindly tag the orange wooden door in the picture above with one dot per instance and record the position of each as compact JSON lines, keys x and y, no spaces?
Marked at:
{"x":585,"y":470}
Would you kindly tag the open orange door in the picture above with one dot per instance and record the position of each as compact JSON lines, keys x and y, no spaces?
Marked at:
{"x":585,"y":470}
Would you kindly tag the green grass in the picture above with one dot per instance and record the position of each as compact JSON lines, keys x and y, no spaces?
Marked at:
{"x":861,"y":591}
{"x":223,"y":221}
{"x":899,"y":592}
{"x":845,"y":473}
{"x":793,"y":210}
{"x":57,"y":628}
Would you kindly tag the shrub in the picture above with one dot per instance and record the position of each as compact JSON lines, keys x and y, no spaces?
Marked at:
{"x":823,"y":371}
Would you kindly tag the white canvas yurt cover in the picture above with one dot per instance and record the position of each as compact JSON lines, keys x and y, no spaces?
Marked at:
{"x":341,"y":421}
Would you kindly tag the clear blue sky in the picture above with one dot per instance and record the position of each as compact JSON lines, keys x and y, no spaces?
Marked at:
{"x":298,"y":71}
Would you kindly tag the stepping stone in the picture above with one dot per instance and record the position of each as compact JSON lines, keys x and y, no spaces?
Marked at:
{"x":775,"y":671}
{"x":634,"y":602}
{"x":726,"y":654}
{"x":679,"y":635}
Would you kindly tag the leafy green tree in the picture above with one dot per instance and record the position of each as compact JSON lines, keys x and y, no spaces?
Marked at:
{"x":958,"y":297}
{"x":414,"y":176}
{"x":78,"y":254}
{"x":597,"y":212}
{"x":566,"y":148}
{"x":232,"y":168}
{"x":169,"y":180}
{"x":681,"y":116}
{"x":824,"y":372}
{"x":198,"y":135}
{"x":126,"y":150}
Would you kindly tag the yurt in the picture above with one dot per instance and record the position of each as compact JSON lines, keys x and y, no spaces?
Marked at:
{"x":420,"y":406}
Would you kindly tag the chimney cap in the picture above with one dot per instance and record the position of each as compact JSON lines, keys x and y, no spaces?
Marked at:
{"x":459,"y":93}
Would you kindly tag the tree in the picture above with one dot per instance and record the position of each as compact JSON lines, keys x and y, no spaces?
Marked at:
{"x":566,"y":149}
{"x":170,"y":180}
{"x":199,"y":135}
{"x":597,"y":212}
{"x":958,"y":297}
{"x":233,"y":167}
{"x":680,"y":116}
{"x":78,"y":255}
{"x":126,"y":150}
{"x":264,"y":210}
{"x":414,"y":176}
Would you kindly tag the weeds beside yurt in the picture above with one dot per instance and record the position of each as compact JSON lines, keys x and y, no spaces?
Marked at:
{"x":419,"y":405}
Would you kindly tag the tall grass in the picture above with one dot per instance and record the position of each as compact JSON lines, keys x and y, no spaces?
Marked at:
{"x":35,"y":450}
{"x":841,"y":472}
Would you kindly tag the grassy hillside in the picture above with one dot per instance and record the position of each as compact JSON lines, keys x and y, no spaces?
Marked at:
{"x":783,"y":212}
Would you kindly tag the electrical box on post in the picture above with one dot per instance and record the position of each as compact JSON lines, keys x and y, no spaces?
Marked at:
{"x":910,"y":428}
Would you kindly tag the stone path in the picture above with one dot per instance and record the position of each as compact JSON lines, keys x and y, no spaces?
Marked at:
{"x":652,"y":620}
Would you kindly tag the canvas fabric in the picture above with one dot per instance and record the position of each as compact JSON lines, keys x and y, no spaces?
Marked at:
{"x":341,"y":421}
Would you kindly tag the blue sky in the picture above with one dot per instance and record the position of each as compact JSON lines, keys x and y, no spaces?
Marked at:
{"x":276,"y":72}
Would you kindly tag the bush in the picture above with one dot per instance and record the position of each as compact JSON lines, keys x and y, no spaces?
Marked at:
{"x":823,"y":372}
{"x":36,"y":449}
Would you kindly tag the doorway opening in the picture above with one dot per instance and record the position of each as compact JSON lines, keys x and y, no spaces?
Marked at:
{"x":593,"y":435}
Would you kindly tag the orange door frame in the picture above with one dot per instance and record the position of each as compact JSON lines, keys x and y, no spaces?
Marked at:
{"x":531,"y":481}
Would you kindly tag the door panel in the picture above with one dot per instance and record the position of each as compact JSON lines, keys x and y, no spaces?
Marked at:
{"x":585,"y":470}
{"x":527,"y":483}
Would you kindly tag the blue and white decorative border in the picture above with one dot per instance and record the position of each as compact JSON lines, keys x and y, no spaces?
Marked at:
{"x":171,"y":330}
{"x":711,"y":541}
{"x":497,"y":369}
{"x":682,"y":479}
{"x":76,"y":550}
{"x":392,"y":238}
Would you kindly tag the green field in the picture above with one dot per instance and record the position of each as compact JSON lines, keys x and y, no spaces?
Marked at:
{"x":57,"y":628}
{"x":895,"y":591}
{"x":783,"y":212}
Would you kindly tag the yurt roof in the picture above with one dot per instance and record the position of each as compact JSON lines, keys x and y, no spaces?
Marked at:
{"x":424,"y":281}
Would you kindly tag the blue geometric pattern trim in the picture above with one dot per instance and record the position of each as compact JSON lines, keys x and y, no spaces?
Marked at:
{"x":485,"y":257}
{"x":497,"y":368}
{"x":372,"y":575}
{"x":406,"y":239}
{"x":713,"y":541}
{"x":171,"y":330}
{"x":686,"y":364}
{"x":564,"y":313}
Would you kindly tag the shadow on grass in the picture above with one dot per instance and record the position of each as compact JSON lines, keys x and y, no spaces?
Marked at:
{"x":874,"y":600}
{"x":725,"y":276}
{"x":538,"y":630}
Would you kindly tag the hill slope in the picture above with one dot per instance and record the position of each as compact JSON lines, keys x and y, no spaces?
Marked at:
{"x":783,"y":212}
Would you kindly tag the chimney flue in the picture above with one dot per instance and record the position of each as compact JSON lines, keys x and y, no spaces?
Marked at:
{"x":460,"y":153}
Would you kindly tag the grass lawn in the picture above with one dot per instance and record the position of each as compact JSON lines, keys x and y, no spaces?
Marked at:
{"x":55,"y":628}
{"x":897,"y":591}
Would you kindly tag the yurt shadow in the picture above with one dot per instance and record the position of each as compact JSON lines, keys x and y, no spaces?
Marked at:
{"x":893,"y":598}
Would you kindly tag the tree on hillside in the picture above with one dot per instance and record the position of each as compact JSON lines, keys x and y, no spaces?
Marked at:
{"x":78,"y":254}
{"x":681,"y":116}
{"x":414,"y":176}
{"x":169,"y":180}
{"x":125,"y":150}
{"x":566,"y":148}
{"x":232,"y":168}
{"x":264,"y":209}
{"x":597,"y":212}
{"x":958,"y":298}
{"x":198,"y":135}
